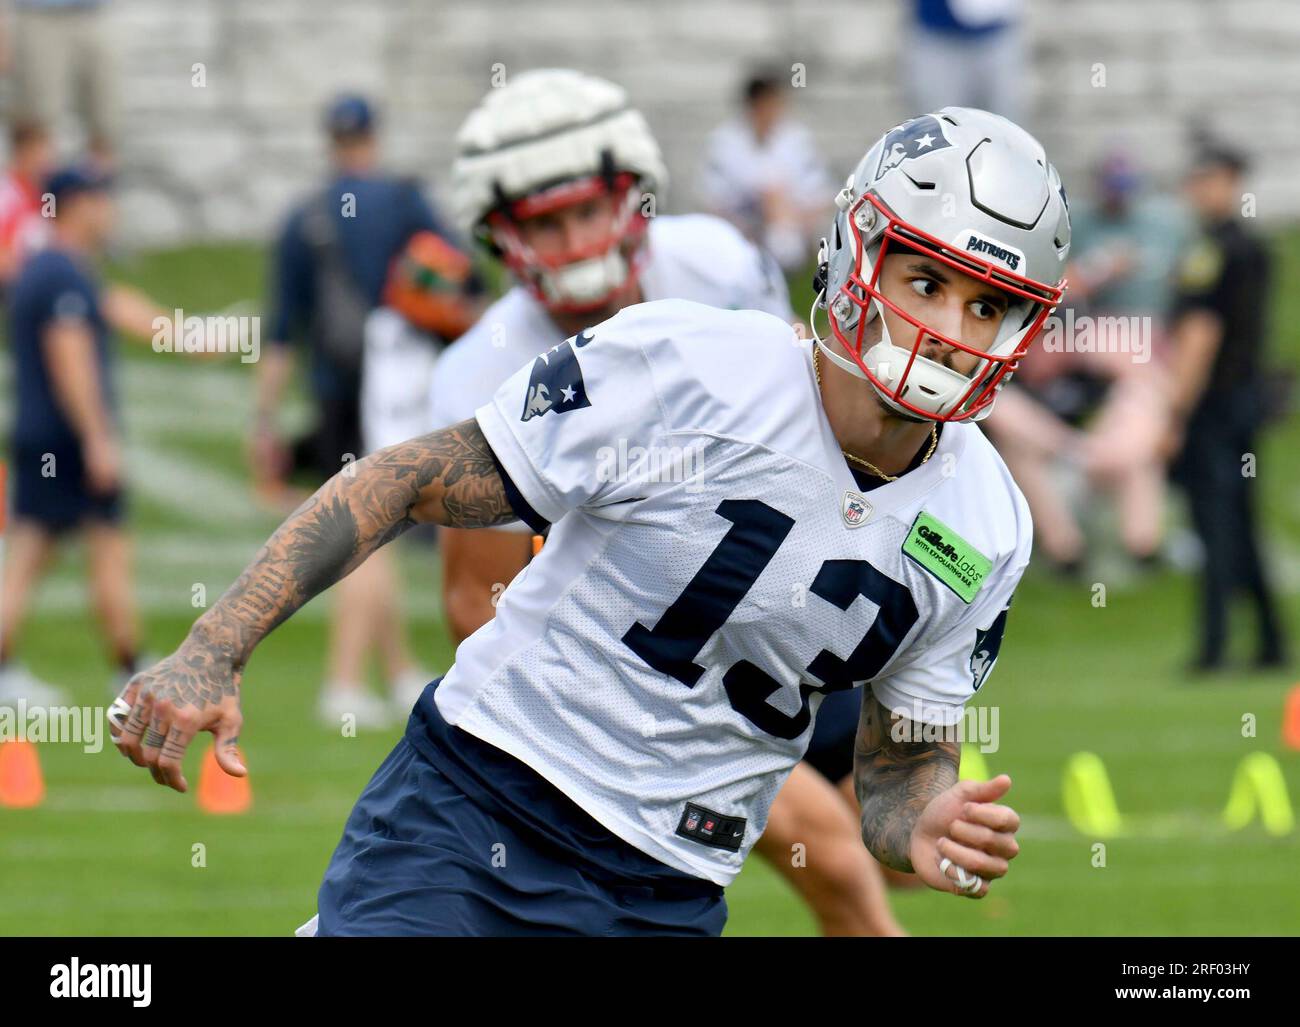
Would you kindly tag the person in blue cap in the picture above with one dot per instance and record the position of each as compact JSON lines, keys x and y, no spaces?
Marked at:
{"x":329,"y":268}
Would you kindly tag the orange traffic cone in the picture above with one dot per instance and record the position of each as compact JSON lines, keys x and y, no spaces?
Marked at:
{"x":1291,"y":719}
{"x":219,"y":792}
{"x":21,"y":784}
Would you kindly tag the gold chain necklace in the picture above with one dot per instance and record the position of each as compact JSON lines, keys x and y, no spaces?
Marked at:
{"x":934,"y":432}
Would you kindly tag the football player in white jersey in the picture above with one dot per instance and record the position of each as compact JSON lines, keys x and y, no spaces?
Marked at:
{"x":558,"y":176}
{"x":603,"y":753}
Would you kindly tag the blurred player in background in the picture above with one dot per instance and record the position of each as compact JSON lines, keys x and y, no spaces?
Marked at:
{"x":1221,"y":397}
{"x":432,"y":296}
{"x":63,"y":61}
{"x":430,"y":300}
{"x":331,"y":264}
{"x":66,"y":462}
{"x":764,"y":174}
{"x":22,"y":229}
{"x":557,"y":176}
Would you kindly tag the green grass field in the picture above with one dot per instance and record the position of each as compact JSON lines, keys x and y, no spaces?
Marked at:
{"x":109,"y":852}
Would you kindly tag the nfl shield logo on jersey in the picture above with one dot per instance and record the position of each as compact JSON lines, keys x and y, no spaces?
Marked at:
{"x":856,"y":509}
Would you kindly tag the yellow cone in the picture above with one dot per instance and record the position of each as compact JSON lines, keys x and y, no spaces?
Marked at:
{"x":1088,"y":798}
{"x":973,"y":765}
{"x":1259,"y":787}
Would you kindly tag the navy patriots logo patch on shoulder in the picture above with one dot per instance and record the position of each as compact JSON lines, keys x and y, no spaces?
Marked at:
{"x":556,"y":381}
{"x":913,"y":138}
{"x":987,"y":645}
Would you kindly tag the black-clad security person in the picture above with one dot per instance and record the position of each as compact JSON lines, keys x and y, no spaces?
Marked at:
{"x":1219,"y":389}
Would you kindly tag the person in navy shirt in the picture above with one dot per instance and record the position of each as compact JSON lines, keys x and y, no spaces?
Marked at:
{"x":65,"y":446}
{"x":330,"y":265}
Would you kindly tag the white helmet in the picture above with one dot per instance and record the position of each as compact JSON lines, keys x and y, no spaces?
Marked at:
{"x":973,"y":191}
{"x":549,"y":139}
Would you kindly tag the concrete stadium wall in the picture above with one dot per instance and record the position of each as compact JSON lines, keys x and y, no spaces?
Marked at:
{"x":223,"y":159}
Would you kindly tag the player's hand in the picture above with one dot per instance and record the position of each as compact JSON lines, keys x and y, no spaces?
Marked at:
{"x":161,"y":710}
{"x":967,"y":826}
{"x":1172,"y":441}
{"x":102,"y":457}
{"x":268,"y":456}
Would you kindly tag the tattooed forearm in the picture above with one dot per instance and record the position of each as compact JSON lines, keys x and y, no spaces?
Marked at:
{"x":447,"y":477}
{"x":895,"y":780}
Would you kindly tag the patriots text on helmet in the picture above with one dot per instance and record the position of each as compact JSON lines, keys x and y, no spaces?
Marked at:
{"x":976,"y":244}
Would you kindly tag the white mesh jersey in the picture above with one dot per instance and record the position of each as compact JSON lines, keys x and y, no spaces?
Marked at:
{"x":396,"y":374}
{"x":710,"y":565}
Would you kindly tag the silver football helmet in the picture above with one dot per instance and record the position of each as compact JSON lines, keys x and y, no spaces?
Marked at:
{"x":969,"y":189}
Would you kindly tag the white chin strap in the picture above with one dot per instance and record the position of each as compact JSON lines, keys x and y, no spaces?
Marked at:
{"x":585,"y":281}
{"x":844,"y":363}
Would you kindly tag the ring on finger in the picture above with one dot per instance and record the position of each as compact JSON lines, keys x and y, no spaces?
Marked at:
{"x":971,"y":885}
{"x":117,"y":713}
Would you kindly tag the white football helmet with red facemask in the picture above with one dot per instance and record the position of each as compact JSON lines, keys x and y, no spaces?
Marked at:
{"x":547,"y":140}
{"x":974,"y":192}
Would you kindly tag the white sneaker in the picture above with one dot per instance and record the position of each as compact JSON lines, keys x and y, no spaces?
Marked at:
{"x":339,"y":705}
{"x":407,"y":688}
{"x":20,"y":683}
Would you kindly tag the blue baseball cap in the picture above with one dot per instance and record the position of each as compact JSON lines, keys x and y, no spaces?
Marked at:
{"x":350,"y":115}
{"x":1118,"y":176}
{"x":77,"y":178}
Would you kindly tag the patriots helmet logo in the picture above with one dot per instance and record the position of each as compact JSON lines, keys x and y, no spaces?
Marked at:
{"x":555,"y":383}
{"x":911,"y":139}
{"x":987,"y":644}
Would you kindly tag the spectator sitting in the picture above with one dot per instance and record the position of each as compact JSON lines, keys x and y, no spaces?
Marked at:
{"x":1098,"y":400}
{"x":763,"y":173}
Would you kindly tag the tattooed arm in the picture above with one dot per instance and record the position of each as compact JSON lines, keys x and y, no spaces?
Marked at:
{"x":447,"y":477}
{"x":915,"y":812}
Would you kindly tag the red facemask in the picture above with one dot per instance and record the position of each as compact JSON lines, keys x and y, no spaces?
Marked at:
{"x":993,"y":366}
{"x":583,"y":278}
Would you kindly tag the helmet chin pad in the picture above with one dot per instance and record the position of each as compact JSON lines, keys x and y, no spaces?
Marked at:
{"x":584,"y":284}
{"x":583,"y":279}
{"x":928,"y":385}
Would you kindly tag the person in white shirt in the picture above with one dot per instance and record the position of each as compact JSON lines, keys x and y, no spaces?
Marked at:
{"x":763,"y":173}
